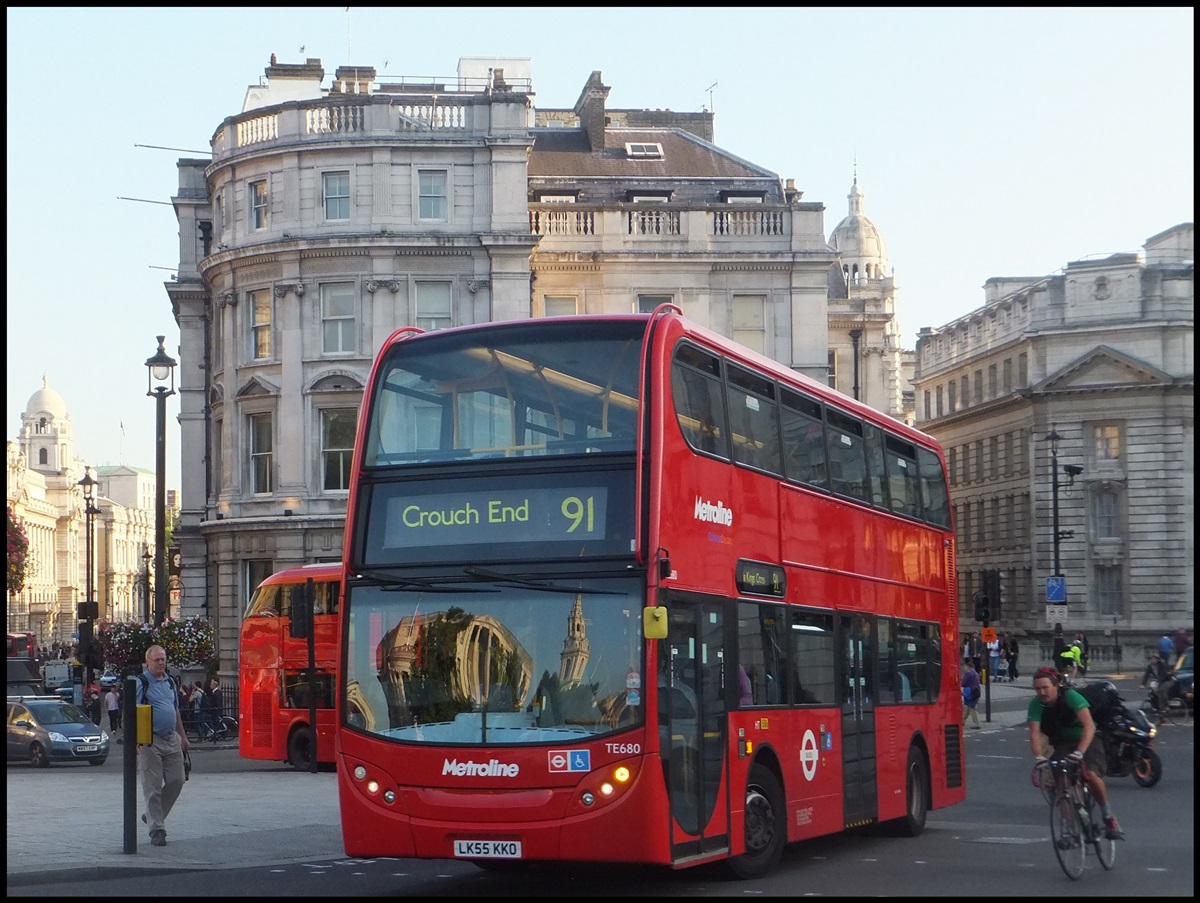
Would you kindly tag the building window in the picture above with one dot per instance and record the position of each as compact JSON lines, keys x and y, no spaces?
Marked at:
{"x":259,"y":215}
{"x":1107,"y":442}
{"x":1108,"y":590}
{"x":938,"y":401}
{"x":928,"y":409}
{"x":560,"y":305}
{"x":993,"y":386}
{"x":433,"y":305}
{"x":749,"y":321}
{"x":431,"y":194}
{"x":1108,"y":512}
{"x":260,"y":325}
{"x":952,"y":463}
{"x":1022,"y":369}
{"x":337,"y":195}
{"x":337,"y":318}
{"x":1007,"y":370}
{"x":644,"y":151}
{"x":647,"y":303}
{"x":978,"y":386}
{"x":952,"y":396}
{"x":994,"y":464}
{"x":965,"y":391}
{"x":262,"y":445}
{"x":216,"y":456}
{"x":337,"y":447}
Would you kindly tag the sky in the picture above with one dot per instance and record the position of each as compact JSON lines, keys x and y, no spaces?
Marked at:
{"x":987,"y":142}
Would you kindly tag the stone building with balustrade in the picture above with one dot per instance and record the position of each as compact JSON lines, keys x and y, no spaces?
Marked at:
{"x":1101,"y":356}
{"x":327,"y":217}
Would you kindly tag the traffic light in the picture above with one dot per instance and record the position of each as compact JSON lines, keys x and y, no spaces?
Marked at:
{"x":982,"y":611}
{"x":95,"y":656}
{"x":993,"y":590}
{"x":301,"y":623}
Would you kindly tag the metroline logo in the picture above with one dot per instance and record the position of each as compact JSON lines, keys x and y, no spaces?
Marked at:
{"x":713,"y":514}
{"x":492,"y":769}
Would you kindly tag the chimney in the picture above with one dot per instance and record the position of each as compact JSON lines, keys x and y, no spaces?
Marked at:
{"x":590,"y":110}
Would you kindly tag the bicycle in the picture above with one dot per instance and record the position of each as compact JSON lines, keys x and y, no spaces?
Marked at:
{"x":226,"y":728}
{"x":1076,"y":821}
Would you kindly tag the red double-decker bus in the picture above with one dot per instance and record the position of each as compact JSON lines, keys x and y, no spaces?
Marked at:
{"x":21,"y":644}
{"x":274,"y":720}
{"x":618,"y":589}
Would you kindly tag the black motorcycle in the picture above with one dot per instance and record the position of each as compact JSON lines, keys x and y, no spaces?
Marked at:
{"x":1126,"y":733}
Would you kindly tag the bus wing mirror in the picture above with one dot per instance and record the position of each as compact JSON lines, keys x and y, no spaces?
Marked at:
{"x":654,"y":623}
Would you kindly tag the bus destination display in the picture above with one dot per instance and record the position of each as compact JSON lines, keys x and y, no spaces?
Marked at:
{"x":526,"y":515}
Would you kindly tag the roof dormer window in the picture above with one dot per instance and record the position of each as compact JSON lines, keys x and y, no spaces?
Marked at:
{"x":642,"y":151}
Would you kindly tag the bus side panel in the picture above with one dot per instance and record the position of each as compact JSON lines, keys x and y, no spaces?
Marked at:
{"x":811,"y":767}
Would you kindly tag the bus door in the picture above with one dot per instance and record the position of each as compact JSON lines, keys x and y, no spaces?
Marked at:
{"x":692,"y":724}
{"x":858,"y":719}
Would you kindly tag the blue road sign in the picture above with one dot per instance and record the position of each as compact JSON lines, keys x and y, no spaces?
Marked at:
{"x":1056,"y":590}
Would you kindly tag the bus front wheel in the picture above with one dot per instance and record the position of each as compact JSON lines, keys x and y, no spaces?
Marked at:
{"x":766,"y":824}
{"x":300,"y":748}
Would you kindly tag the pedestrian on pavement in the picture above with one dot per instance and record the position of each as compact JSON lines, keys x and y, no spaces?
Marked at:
{"x":1166,"y":646}
{"x":113,"y":704}
{"x":1013,"y":652}
{"x":971,"y":693}
{"x":993,"y":649}
{"x":212,"y":700}
{"x":198,"y":707}
{"x":1085,"y":657}
{"x":161,"y":761}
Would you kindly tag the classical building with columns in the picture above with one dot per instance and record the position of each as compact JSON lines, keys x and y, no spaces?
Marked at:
{"x":44,"y":492}
{"x":1066,"y":407}
{"x":328,"y":216}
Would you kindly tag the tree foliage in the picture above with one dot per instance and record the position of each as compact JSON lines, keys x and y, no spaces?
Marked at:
{"x":18,"y":553}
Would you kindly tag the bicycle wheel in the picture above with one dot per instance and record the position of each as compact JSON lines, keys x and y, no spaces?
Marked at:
{"x":1176,"y":711}
{"x":1106,"y":847}
{"x":1066,"y":832}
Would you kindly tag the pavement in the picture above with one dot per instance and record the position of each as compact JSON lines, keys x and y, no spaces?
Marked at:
{"x":73,"y":829}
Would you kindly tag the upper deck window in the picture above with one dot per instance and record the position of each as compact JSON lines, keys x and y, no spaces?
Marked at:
{"x":528,"y":390}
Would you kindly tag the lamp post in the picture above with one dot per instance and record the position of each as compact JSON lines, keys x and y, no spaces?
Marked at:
{"x":88,"y":611}
{"x":146,"y":559}
{"x":160,"y":383}
{"x":1072,"y":471}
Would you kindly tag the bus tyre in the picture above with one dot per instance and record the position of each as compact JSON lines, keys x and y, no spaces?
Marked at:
{"x":916,"y":796}
{"x":300,"y":748}
{"x":765,"y":824}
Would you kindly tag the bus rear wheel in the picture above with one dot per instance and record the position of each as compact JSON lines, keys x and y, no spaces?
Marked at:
{"x":765,"y":824}
{"x":300,"y":748}
{"x":916,"y":797}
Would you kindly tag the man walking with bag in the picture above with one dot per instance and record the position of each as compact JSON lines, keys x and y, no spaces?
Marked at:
{"x":161,"y":762}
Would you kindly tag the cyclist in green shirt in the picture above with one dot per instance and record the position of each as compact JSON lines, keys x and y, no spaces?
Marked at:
{"x":1060,"y":720}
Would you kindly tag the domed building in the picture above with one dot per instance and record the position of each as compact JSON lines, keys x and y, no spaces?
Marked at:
{"x":866,"y":357}
{"x":44,"y":494}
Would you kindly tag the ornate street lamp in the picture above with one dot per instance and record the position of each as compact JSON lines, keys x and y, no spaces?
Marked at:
{"x":160,"y":383}
{"x":89,"y":610}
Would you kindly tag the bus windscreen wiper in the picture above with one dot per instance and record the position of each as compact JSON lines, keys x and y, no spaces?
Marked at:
{"x":497,"y":577}
{"x":391,"y":584}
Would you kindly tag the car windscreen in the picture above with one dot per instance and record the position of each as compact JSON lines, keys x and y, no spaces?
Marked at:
{"x":60,"y":713}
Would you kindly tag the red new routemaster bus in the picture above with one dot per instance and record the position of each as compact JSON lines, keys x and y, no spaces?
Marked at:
{"x":21,"y":644}
{"x":273,"y":683}
{"x":618,"y":589}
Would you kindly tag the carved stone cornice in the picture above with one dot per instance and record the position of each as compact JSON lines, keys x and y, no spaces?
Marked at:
{"x":392,"y":285}
{"x":283,"y":288}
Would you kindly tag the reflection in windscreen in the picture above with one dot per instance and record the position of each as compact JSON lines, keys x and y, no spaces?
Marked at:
{"x":512,"y":666}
